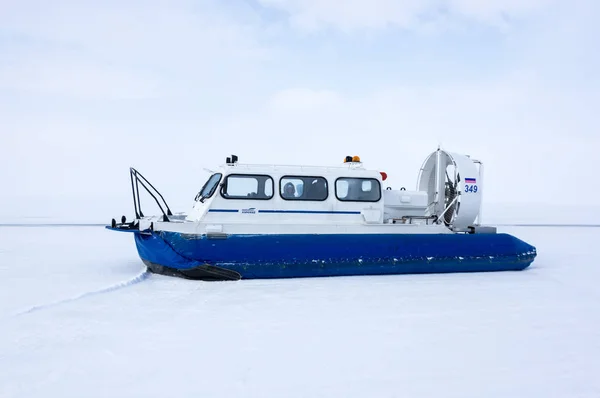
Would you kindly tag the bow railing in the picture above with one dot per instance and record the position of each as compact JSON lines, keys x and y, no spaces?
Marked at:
{"x":138,"y":179}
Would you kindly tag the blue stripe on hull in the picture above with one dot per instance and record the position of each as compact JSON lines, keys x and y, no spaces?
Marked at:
{"x":284,"y":256}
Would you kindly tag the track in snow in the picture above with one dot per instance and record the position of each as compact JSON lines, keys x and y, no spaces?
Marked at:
{"x":130,"y":282}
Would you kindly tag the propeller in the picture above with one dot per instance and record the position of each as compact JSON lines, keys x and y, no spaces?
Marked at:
{"x":450,"y":194}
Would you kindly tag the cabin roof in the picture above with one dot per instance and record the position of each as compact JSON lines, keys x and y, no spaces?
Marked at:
{"x":300,"y":169}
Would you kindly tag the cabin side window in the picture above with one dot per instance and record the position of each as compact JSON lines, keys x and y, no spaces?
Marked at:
{"x":349,"y":189}
{"x":303,"y":188}
{"x":247,"y":186}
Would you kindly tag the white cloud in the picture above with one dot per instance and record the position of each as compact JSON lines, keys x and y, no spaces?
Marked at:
{"x":349,"y":15}
{"x":302,"y":99}
{"x":77,"y":78}
{"x":491,"y":11}
{"x":122,"y":49}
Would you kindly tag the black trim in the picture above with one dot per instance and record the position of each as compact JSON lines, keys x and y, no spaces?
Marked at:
{"x":302,"y":177}
{"x":206,"y":272}
{"x":358,"y":178}
{"x":224,"y":185}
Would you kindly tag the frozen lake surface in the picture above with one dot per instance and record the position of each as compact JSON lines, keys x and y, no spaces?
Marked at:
{"x":80,"y":318}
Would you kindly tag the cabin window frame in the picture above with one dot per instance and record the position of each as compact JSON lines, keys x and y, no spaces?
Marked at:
{"x":213,"y":190}
{"x":303,"y":177}
{"x":358,"y":200}
{"x":224,"y":183}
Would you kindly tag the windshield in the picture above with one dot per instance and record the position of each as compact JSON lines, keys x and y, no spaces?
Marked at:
{"x":209,"y":188}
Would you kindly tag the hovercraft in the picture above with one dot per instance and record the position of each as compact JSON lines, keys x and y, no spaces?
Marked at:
{"x":282,"y":221}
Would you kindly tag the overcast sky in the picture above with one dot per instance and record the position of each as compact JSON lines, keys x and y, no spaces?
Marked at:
{"x":89,"y":88}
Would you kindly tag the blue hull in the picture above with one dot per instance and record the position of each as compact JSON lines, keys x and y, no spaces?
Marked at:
{"x":292,"y":256}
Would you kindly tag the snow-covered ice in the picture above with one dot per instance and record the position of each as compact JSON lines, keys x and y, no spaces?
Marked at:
{"x":80,"y":318}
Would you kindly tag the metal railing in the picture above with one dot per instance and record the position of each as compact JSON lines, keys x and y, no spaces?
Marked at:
{"x":138,"y":179}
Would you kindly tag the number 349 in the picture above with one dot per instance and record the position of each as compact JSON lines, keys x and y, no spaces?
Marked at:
{"x":470,"y":188}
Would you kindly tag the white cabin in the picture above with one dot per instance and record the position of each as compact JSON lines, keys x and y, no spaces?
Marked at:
{"x":347,"y":194}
